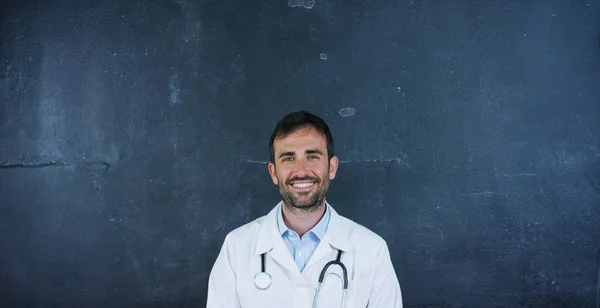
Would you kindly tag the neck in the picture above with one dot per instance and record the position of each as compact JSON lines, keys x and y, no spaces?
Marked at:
{"x":302,"y":221}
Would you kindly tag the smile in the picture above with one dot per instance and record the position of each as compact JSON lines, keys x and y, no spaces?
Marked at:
{"x":303,"y":185}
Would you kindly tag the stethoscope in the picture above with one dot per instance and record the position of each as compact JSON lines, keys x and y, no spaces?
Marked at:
{"x":263,"y":280}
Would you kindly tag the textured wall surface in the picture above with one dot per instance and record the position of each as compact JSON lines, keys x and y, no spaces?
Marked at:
{"x":134,"y":136}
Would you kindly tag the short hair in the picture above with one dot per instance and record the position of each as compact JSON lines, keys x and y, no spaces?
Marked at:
{"x":298,"y":120}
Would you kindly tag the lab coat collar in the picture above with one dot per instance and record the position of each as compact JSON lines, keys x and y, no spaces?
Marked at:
{"x":270,"y":238}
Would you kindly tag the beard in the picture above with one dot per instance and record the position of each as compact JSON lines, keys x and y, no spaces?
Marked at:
{"x":305,"y":202}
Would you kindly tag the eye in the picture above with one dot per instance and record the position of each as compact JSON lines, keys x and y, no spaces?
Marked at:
{"x":313,"y":157}
{"x":287,"y":158}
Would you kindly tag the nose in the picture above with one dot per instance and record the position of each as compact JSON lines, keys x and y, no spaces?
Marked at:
{"x":301,"y":167}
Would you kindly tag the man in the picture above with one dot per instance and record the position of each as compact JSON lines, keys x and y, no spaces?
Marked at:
{"x":281,"y":259}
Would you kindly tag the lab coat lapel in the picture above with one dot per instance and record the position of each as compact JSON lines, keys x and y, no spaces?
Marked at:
{"x":336,"y":237}
{"x":270,"y":241}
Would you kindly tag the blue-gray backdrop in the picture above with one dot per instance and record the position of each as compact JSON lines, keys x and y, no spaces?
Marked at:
{"x":134,"y":136}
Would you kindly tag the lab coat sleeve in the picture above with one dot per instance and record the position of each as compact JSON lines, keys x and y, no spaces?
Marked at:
{"x":386,"y":291}
{"x":222,"y":292}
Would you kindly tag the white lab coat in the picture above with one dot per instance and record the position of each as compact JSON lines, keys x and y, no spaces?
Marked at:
{"x":372,"y":280}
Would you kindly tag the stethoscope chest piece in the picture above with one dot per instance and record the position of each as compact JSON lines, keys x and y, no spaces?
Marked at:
{"x":262,"y":280}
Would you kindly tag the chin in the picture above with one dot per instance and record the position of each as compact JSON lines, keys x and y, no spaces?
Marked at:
{"x":304,"y":206}
{"x":311,"y":203}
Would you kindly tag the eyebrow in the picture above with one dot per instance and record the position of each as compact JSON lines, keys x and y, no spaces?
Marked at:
{"x":289,"y":153}
{"x":315,"y":151}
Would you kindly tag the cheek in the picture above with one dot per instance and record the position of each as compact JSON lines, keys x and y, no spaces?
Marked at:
{"x":324,"y":172}
{"x":282,"y":175}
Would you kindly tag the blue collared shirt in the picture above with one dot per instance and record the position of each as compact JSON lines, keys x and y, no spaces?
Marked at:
{"x":303,"y":248}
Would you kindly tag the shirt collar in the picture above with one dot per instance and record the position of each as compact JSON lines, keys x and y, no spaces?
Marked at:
{"x":269,"y":239}
{"x":318,"y":230}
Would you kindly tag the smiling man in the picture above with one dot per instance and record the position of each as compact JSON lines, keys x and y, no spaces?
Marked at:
{"x":303,"y":253}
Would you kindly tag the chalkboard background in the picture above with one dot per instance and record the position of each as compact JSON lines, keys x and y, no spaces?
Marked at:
{"x":134,"y":136}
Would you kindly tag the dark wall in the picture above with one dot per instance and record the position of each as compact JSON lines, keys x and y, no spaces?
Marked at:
{"x":134,"y":134}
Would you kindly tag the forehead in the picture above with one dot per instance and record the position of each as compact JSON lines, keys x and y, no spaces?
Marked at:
{"x":305,"y":138}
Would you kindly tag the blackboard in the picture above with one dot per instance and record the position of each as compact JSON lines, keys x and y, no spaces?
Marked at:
{"x":134,"y":136}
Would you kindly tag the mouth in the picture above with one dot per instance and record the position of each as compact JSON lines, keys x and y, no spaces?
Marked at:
{"x":303,"y":185}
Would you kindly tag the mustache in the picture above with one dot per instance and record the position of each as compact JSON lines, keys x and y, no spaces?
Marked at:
{"x":305,"y":178}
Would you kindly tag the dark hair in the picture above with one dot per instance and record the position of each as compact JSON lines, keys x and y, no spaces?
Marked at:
{"x":298,"y":120}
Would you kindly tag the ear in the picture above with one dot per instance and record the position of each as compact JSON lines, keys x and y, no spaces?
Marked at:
{"x":333,"y":166}
{"x":273,"y":173}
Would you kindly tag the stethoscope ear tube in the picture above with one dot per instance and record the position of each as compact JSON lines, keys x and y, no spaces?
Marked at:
{"x":336,"y":261}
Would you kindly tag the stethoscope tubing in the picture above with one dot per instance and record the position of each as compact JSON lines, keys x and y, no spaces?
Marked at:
{"x":337,"y":261}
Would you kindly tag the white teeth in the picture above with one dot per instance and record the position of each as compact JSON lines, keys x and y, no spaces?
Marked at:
{"x":303,"y":185}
